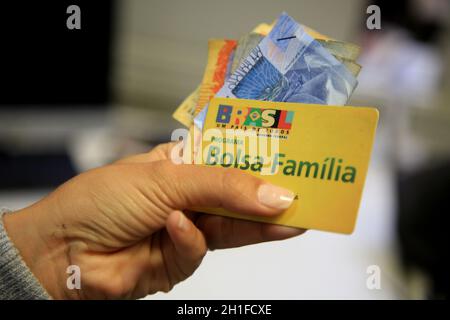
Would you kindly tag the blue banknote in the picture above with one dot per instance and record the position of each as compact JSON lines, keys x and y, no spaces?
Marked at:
{"x":288,"y":65}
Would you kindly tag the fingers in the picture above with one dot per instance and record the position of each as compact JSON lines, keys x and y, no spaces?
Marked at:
{"x":193,"y":186}
{"x":201,"y":186}
{"x":273,"y":232}
{"x":223,"y":232}
{"x":188,"y":241}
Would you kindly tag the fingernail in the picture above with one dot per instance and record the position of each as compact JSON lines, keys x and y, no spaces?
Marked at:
{"x":182,"y":225}
{"x":274,"y":196}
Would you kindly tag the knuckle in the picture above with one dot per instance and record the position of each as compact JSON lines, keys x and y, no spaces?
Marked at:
{"x":161,"y":148}
{"x":164,"y":149}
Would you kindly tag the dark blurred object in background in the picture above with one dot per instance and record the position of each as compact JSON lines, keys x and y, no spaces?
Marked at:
{"x":43,"y":62}
{"x":423,"y":19}
{"x":423,"y":178}
{"x":423,"y":211}
{"x":47,"y":69}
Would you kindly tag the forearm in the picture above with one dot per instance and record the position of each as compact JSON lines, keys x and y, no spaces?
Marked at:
{"x":16,"y":279}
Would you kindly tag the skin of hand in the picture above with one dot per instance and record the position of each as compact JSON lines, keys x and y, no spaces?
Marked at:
{"x":128,"y":228}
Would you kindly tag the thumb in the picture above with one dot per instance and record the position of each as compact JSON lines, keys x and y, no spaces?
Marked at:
{"x":188,"y":186}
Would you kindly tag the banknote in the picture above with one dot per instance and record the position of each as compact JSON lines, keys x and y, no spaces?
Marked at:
{"x":185,"y":112}
{"x":345,"y":52}
{"x":220,"y":53}
{"x":351,"y":65}
{"x":315,"y":34}
{"x":263,"y":28}
{"x":218,"y":66}
{"x":341,"y":49}
{"x":213,"y":79}
{"x":288,"y":65}
{"x":245,"y":45}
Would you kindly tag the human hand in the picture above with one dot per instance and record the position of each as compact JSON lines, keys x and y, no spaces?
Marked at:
{"x":124,"y":225}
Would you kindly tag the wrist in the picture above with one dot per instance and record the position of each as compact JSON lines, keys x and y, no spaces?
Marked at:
{"x":42,"y":248}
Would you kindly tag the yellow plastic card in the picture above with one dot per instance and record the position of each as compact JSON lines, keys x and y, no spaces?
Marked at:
{"x":321,"y":153}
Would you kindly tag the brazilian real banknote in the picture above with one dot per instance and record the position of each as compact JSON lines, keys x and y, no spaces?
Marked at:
{"x":288,"y":65}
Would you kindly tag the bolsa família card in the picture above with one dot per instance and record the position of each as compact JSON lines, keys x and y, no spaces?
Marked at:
{"x":319,"y":152}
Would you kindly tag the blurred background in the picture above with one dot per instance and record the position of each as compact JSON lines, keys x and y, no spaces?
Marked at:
{"x":71,"y":100}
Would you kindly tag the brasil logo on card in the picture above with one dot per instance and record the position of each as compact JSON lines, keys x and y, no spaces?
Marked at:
{"x":321,"y":153}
